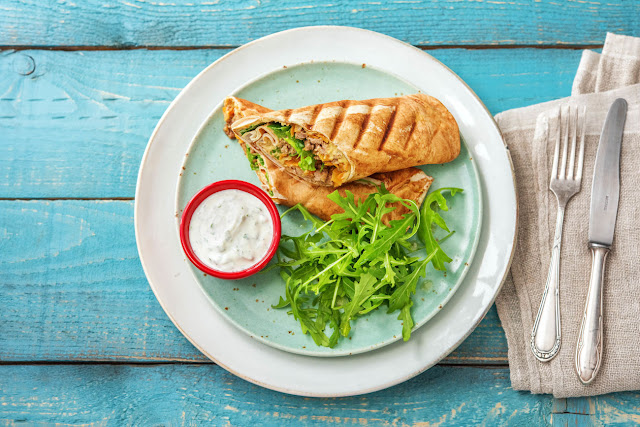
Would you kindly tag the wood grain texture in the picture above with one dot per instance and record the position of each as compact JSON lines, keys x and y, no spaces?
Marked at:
{"x":607,"y":410}
{"x":74,"y":124}
{"x":70,"y":132}
{"x":206,"y":394}
{"x":72,"y":289}
{"x":235,"y":22}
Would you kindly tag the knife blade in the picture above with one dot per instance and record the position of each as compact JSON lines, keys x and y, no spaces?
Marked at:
{"x":605,"y":193}
{"x":605,"y":189}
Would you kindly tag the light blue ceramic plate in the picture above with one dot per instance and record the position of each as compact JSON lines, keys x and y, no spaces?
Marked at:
{"x":247,"y":303}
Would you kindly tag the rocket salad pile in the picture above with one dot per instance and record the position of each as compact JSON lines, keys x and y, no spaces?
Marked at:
{"x":356,"y":263}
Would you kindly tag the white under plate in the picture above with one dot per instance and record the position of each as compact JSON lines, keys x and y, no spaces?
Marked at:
{"x":167,"y":269}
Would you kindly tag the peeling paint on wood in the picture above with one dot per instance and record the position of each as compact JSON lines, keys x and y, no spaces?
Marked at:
{"x":72,"y":289}
{"x":235,"y":22}
{"x":70,"y":132}
{"x":206,"y":394}
{"x":74,"y":124}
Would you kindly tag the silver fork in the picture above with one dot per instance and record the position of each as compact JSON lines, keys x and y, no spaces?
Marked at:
{"x":546,"y":333}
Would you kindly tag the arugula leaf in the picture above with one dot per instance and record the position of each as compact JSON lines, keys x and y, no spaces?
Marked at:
{"x":276,"y":152}
{"x":266,"y":177}
{"x":402,"y":294}
{"x":254,"y":159}
{"x":364,"y":288}
{"x":307,"y":159}
{"x":430,"y":217}
{"x":352,"y":211}
{"x":307,"y":163}
{"x":317,"y":223}
{"x":355,"y":263}
{"x":249,"y":129}
{"x":388,"y":237}
{"x":407,"y":321}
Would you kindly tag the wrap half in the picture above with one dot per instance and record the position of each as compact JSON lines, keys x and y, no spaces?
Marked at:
{"x":338,"y":142}
{"x":285,"y":189}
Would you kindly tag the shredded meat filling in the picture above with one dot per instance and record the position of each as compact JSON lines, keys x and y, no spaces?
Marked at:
{"x":288,"y":150}
{"x":323,"y":172}
{"x":321,"y":175}
{"x":316,"y":145}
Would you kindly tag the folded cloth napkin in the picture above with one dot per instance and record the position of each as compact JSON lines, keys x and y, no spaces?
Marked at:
{"x":529,"y":133}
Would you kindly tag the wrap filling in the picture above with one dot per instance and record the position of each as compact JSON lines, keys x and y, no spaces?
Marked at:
{"x":305,"y":153}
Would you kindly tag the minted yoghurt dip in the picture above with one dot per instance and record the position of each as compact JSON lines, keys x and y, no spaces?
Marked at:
{"x":230,"y":231}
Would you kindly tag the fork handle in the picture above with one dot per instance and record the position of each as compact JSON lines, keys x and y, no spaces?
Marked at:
{"x":546,"y":333}
{"x":589,"y":348}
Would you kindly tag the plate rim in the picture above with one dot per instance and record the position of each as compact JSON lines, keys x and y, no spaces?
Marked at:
{"x":309,"y":352}
{"x":289,"y":389}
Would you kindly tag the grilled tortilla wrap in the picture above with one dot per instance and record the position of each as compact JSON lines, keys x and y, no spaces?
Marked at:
{"x":409,"y":183}
{"x":337,"y":142}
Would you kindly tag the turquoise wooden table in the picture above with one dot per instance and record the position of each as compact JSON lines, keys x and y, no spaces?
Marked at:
{"x":83,"y":341}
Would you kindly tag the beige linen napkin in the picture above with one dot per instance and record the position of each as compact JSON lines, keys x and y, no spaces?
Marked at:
{"x":601,"y":78}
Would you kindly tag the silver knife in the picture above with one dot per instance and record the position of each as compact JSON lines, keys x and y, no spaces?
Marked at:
{"x":605,"y":192}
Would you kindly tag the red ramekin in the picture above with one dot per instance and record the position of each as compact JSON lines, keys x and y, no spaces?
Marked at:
{"x":210,"y":189}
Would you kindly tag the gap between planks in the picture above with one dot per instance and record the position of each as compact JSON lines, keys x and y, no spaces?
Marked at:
{"x":205,"y":47}
{"x":27,"y":199}
{"x":205,"y":362}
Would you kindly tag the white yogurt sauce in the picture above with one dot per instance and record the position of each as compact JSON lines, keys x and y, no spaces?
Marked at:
{"x":231,"y":230}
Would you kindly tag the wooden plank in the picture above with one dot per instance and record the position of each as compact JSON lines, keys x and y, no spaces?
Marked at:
{"x":67,"y":132}
{"x":611,"y":409}
{"x":72,"y":289}
{"x":72,"y":133}
{"x":201,"y":394}
{"x":235,"y":22}
{"x":486,"y":345}
{"x":567,"y":420}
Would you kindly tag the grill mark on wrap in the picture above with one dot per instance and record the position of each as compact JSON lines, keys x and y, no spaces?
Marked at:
{"x":413,"y":128}
{"x":314,"y":116}
{"x":363,"y":128}
{"x":339,"y":121}
{"x":287,"y":114}
{"x":389,"y":127}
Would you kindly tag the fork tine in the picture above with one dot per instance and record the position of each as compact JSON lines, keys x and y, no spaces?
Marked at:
{"x":574,"y":136}
{"x":556,"y":152}
{"x":581,"y":155}
{"x":565,"y":146}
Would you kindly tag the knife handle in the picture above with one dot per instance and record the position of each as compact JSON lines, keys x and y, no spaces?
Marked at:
{"x":589,"y":348}
{"x":546,"y":333}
